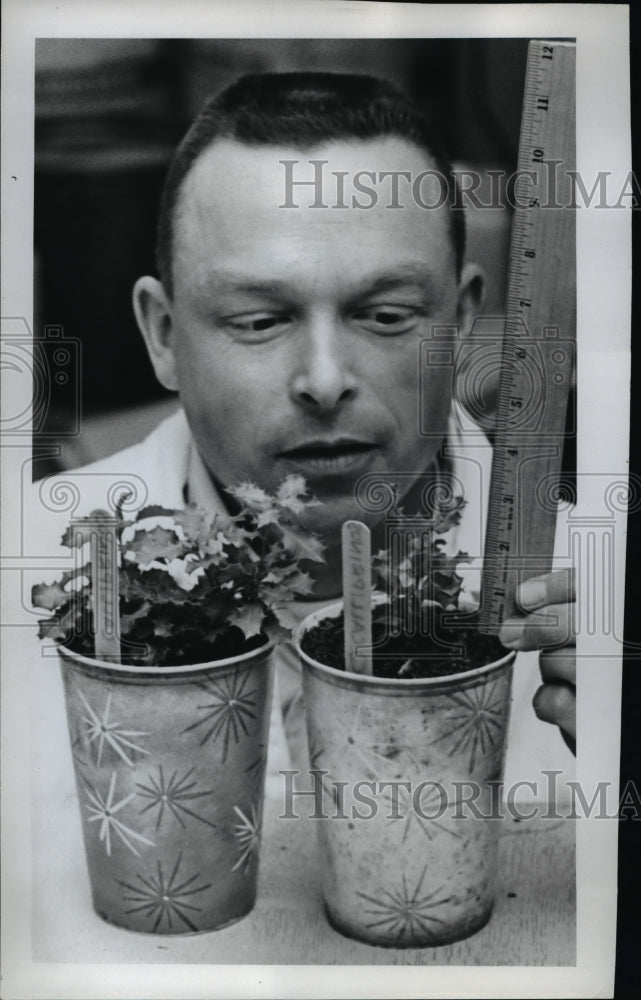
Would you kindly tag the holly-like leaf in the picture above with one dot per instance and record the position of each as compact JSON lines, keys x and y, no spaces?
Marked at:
{"x":76,"y":574}
{"x":429,"y":603}
{"x":448,"y":517}
{"x":81,"y":529}
{"x":251,"y":496}
{"x":292,"y":495}
{"x":127,"y":620}
{"x":301,"y":583}
{"x":52,"y":629}
{"x":274,"y":630}
{"x":249,"y":619}
{"x":382,"y":567}
{"x":138,"y":584}
{"x":292,"y":488}
{"x":216,"y":548}
{"x":50,"y":596}
{"x":426,"y":575}
{"x":154,"y":510}
{"x":187,"y":576}
{"x":158,"y":543}
{"x":195,"y":524}
{"x":286,"y":617}
{"x":303,"y":546}
{"x":269,"y":516}
{"x":185,"y":572}
{"x":58,"y":627}
{"x":164,"y":628}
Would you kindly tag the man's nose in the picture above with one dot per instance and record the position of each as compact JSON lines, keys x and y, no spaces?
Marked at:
{"x":324,"y":378}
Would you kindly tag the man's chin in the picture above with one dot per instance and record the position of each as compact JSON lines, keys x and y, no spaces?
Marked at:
{"x":327,"y":518}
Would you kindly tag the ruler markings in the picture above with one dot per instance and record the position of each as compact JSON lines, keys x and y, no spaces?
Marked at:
{"x":538,"y":343}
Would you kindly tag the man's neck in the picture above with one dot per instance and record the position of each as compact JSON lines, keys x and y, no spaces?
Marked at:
{"x":328,"y":575}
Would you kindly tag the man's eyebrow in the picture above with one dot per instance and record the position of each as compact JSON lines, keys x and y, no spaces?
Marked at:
{"x":228,"y":280}
{"x":417,"y":274}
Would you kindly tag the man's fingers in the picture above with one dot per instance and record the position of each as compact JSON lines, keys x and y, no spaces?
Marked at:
{"x":556,"y":703}
{"x":552,"y":588}
{"x":551,"y":626}
{"x":558,"y":665}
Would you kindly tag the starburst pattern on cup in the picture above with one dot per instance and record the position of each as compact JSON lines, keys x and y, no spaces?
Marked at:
{"x":408,"y":816}
{"x":228,"y":714}
{"x":478,"y":723}
{"x":403,"y":913}
{"x":170,"y":796}
{"x":378,"y":760}
{"x":165,"y":900}
{"x":328,"y":784}
{"x":256,"y":768}
{"x":103,"y":811}
{"x":76,"y":751}
{"x":381,"y":760}
{"x":316,"y":751}
{"x":111,"y":733}
{"x":247,"y":833}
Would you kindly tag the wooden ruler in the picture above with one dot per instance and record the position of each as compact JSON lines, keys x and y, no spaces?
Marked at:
{"x":539,"y":338}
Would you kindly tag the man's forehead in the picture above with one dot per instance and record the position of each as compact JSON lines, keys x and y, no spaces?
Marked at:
{"x":334,"y":213}
{"x":385,"y":173}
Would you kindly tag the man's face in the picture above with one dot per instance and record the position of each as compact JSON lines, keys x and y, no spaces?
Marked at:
{"x":295,"y":332}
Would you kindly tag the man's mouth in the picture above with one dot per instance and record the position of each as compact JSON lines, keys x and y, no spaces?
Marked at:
{"x":327,"y":457}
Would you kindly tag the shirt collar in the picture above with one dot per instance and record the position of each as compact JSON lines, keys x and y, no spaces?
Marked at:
{"x":199,"y":488}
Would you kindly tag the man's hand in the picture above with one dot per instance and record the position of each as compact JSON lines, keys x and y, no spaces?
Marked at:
{"x":548,"y":624}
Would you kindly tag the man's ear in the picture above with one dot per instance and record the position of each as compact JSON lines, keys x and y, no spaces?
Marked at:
{"x":155,"y":321}
{"x":478,"y":364}
{"x":471,"y":295}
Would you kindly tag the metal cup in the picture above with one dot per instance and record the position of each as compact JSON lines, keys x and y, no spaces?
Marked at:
{"x":170,"y":766}
{"x":411,"y":772}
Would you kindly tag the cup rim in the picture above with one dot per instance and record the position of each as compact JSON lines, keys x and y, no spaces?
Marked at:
{"x":160,"y":673}
{"x":407,"y":684}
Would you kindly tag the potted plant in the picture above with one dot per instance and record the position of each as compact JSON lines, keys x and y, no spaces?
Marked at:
{"x":411,"y":754}
{"x":169,"y":714}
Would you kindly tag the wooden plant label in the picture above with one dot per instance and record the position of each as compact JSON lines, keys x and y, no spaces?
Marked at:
{"x":104,"y":587}
{"x":357,"y":596}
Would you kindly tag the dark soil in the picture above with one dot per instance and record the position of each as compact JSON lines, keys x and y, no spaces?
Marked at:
{"x":231,"y":642}
{"x":439,"y":651}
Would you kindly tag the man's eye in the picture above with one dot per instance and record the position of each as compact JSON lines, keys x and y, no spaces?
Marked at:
{"x":258,"y":324}
{"x":386,"y":319}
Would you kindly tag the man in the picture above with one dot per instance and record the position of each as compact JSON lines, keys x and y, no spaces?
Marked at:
{"x":289,"y":312}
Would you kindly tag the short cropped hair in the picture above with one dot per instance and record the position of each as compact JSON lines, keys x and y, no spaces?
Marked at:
{"x":301,"y":110}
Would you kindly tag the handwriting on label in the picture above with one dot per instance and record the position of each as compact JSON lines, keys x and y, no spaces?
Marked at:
{"x":104,"y":579}
{"x":357,"y":596}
